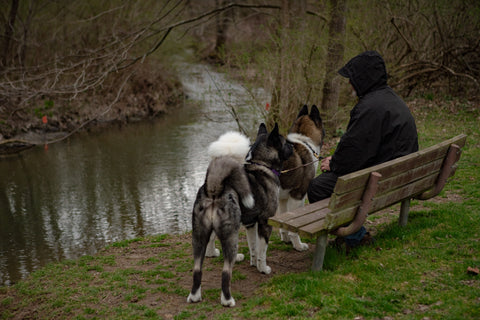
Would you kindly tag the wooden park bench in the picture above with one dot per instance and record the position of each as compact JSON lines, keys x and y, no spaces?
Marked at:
{"x":420,"y":175}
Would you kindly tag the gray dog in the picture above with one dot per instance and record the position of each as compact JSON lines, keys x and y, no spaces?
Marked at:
{"x":235,"y":194}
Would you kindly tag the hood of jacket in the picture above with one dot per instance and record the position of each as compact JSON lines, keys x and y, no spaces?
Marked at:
{"x":366,"y":72}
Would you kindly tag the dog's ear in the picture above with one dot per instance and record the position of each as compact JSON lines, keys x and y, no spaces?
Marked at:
{"x":287,"y":151}
{"x":275,"y":128}
{"x":315,"y":116}
{"x":262,"y":129}
{"x":303,"y":111}
{"x":274,"y":138}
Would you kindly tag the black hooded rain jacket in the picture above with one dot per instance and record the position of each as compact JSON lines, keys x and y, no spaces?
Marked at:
{"x":381,"y":127}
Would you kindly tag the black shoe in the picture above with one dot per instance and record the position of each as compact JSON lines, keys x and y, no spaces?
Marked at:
{"x":367,"y":240}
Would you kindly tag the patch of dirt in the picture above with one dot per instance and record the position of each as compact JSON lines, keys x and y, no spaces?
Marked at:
{"x":143,"y":256}
{"x":246,"y":283}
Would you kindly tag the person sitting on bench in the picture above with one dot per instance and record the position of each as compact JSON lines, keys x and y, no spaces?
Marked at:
{"x":381,"y":128}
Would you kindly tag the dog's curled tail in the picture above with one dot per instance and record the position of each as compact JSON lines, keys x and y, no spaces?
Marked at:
{"x":223,"y":170}
{"x":232,"y":144}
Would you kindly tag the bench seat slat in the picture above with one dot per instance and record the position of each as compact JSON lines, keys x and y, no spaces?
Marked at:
{"x":306,"y":219}
{"x":282,"y":219}
{"x":312,"y":230}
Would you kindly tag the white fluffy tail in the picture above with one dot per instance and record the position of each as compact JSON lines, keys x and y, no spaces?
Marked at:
{"x":231,"y":143}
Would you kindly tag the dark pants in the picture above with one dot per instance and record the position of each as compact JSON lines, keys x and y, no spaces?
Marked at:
{"x":321,"y":188}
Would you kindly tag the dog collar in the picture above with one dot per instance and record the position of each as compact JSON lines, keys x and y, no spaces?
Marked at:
{"x":275,"y":172}
{"x":305,"y":143}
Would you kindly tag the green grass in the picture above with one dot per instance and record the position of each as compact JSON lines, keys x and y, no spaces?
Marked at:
{"x":413,"y":272}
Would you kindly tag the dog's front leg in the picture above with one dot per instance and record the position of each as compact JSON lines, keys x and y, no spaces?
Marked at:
{"x":262,"y":247}
{"x":297,"y":242}
{"x":252,"y":244}
{"x":283,"y":200}
{"x":293,"y":237}
{"x":284,"y":235}
{"x":263,"y":234}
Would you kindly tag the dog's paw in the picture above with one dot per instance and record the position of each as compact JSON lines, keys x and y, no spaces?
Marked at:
{"x":212,"y":253}
{"x":197,"y":297}
{"x":301,"y":246}
{"x":240,"y":257}
{"x":227,"y":303}
{"x":248,"y":201}
{"x":296,"y":242}
{"x":262,"y":267}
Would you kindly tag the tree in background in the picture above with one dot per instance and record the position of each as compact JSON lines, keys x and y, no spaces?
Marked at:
{"x":7,"y":37}
{"x":74,"y":50}
{"x":427,"y":45}
{"x":74,"y":56}
{"x":334,"y":61}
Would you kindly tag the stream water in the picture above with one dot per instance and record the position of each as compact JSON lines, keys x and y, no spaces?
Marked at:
{"x":114,"y":184}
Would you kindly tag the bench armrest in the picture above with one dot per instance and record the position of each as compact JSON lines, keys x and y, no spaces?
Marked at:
{"x":361,"y":215}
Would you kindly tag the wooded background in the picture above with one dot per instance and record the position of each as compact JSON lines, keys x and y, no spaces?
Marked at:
{"x":65,"y":55}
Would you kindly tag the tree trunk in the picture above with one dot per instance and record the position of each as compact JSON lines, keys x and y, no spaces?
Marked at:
{"x":336,"y":48}
{"x":223,"y":20}
{"x":280,"y":91}
{"x":9,"y":32}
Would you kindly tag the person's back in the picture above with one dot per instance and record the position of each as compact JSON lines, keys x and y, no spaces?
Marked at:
{"x":381,"y":128}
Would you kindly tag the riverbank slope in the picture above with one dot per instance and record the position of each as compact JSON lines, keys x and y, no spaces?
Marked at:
{"x":149,"y":92}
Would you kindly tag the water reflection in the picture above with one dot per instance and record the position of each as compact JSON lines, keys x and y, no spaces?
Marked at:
{"x":109,"y":185}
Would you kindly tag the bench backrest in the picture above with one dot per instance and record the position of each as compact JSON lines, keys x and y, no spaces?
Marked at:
{"x":402,"y":178}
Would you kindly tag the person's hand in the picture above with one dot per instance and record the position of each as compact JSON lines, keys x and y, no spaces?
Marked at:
{"x":325,"y":164}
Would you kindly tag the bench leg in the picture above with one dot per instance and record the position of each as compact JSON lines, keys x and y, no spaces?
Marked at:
{"x":319,"y":254}
{"x":402,"y":221}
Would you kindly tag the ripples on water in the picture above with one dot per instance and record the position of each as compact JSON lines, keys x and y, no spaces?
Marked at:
{"x":109,"y":185}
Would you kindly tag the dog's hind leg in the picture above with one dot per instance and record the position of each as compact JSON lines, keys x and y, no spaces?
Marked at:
{"x":230,"y":248}
{"x":211,"y":250}
{"x":199,"y":242}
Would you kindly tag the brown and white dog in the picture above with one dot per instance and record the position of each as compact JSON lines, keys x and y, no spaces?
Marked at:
{"x":306,"y":135}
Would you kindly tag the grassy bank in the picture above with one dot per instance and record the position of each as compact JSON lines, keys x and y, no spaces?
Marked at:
{"x":415,"y":272}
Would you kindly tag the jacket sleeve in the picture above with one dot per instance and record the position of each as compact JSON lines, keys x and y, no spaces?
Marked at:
{"x":359,"y":145}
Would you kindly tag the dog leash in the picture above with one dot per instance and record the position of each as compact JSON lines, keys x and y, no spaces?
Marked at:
{"x":317,"y":156}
